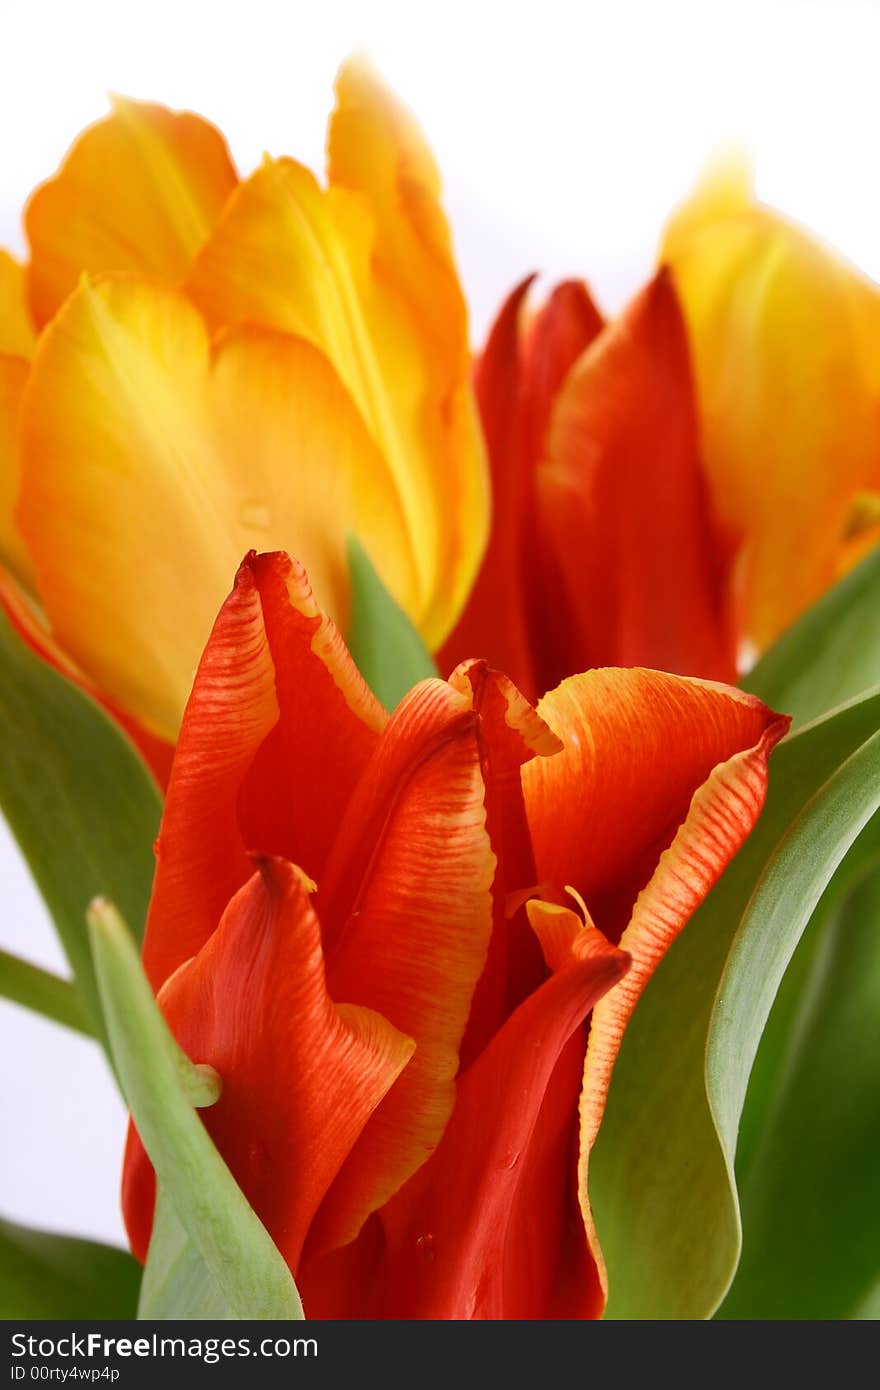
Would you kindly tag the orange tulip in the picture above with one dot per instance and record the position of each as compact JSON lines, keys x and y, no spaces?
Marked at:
{"x":604,"y":548}
{"x":224,"y":364}
{"x":365,"y":925}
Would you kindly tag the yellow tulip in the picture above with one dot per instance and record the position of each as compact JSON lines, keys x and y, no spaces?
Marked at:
{"x":270,"y":363}
{"x":786,"y":343}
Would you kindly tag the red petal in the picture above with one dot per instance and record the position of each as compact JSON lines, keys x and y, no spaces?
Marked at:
{"x":407,"y":908}
{"x":271,"y":650}
{"x":481,"y":1231}
{"x":623,"y":502}
{"x":300,"y":1074}
{"x":509,"y":734}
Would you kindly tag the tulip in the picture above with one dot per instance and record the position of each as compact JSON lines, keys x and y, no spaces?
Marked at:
{"x":604,"y":547}
{"x":409,"y":945}
{"x":786,"y":346}
{"x":270,"y":362}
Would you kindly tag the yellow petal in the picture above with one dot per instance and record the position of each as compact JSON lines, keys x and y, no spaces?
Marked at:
{"x":364,"y":271}
{"x":139,"y":191}
{"x":17,"y":334}
{"x":153,"y":462}
{"x":786,"y":342}
{"x":13,"y":554}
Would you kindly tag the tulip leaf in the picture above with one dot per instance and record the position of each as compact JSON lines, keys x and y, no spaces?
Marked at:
{"x":387,"y":649}
{"x":41,"y":991}
{"x":832,"y":652}
{"x":663,"y":1163}
{"x":43,"y":1275}
{"x":808,"y":1177}
{"x":79,"y":800}
{"x":215,"y":1253}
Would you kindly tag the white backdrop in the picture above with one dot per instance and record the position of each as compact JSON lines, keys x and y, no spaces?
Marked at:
{"x":566,"y":132}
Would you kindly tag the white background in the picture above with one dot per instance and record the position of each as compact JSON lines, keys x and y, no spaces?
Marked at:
{"x":566,"y":132}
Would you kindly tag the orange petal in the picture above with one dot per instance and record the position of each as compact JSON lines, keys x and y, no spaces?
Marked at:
{"x":300,"y":1074}
{"x":637,"y":746}
{"x":153,"y":461}
{"x":343,"y":269}
{"x":139,"y":191}
{"x":31,"y":628}
{"x":482,"y":1230}
{"x":17,"y":335}
{"x":721,"y":816}
{"x":786,"y":343}
{"x":13,"y":552}
{"x":624,"y":504}
{"x":271,"y":651}
{"x":407,"y":909}
{"x":558,"y":334}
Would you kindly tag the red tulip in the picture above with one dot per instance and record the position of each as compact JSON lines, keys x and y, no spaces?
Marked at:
{"x":604,"y":549}
{"x":363,"y":924}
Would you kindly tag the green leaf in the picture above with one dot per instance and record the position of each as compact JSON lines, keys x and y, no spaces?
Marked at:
{"x":80,"y":802}
{"x":37,"y":989}
{"x":216,"y":1253}
{"x":661,"y":1174}
{"x":387,"y":650}
{"x":52,"y":1276}
{"x":830,"y":655}
{"x":808,"y":1180}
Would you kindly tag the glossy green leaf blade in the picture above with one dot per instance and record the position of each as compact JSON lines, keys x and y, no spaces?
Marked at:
{"x":830,"y":655}
{"x":42,"y":992}
{"x":43,"y":1275}
{"x":810,"y":1194}
{"x":80,"y":802}
{"x":387,"y":649}
{"x":241,"y":1267}
{"x":659,"y":1168}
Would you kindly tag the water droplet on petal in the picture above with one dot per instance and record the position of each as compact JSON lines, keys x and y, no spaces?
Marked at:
{"x":255,"y":514}
{"x":425,"y":1247}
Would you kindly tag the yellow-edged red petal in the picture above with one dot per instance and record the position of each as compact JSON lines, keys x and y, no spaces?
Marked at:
{"x":17,"y":334}
{"x":363,"y":270}
{"x":660,"y":781}
{"x":786,"y":344}
{"x":139,"y":191}
{"x":237,"y":774}
{"x":637,"y":745}
{"x":624,"y":504}
{"x":152,"y":460}
{"x":484,"y":1229}
{"x":406,"y":907}
{"x":300,"y":1073}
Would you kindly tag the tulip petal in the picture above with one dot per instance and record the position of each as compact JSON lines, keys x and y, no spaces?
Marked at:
{"x":624,"y":503}
{"x":786,"y":343}
{"x":509,"y":733}
{"x":637,"y":746}
{"x":721,"y":816}
{"x":494,"y":624}
{"x":17,"y":335}
{"x":300,"y":1075}
{"x":13,"y":552}
{"x":271,"y":649}
{"x":482,"y":1230}
{"x":406,"y":907}
{"x":290,"y":255}
{"x":31,"y":628}
{"x":515,"y":615}
{"x":139,"y":191}
{"x":163,"y":460}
